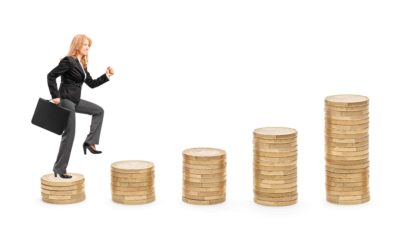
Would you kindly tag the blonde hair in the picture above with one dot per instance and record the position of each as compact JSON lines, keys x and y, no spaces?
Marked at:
{"x":76,"y":44}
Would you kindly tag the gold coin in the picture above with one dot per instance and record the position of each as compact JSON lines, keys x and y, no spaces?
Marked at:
{"x":329,"y":113}
{"x":132,"y":166}
{"x":350,"y":202}
{"x":67,"y":201}
{"x":134,"y":193}
{"x":204,"y":167}
{"x":203,"y":171}
{"x":346,"y":145}
{"x":221,"y":161}
{"x":347,"y":100}
{"x":347,"y":184}
{"x":74,"y":192}
{"x":334,"y":170}
{"x":275,"y":195}
{"x":275,"y":133}
{"x":275,"y":186}
{"x":63,"y":197}
{"x":132,"y":184}
{"x":276,"y":177}
{"x":63,"y":188}
{"x":275,"y":159}
{"x":204,"y":198}
{"x":274,"y":141}
{"x":275,"y":182}
{"x":199,"y":202}
{"x":275,"y":150}
{"x":344,"y":189}
{"x":187,"y":192}
{"x":344,"y":158}
{"x":132,"y":180}
{"x":350,"y":179}
{"x":274,"y":173}
{"x":205,"y":180}
{"x":132,"y":197}
{"x":346,"y":175}
{"x":270,"y":203}
{"x":347,"y":197}
{"x":334,"y":117}
{"x":274,"y":190}
{"x":346,"y":109}
{"x":133,"y":189}
{"x":204,"y":176}
{"x":347,"y":140}
{"x":274,"y":154}
{"x":346,"y":122}
{"x":346,"y":162}
{"x":268,"y":165}
{"x":347,"y":193}
{"x":362,"y":135}
{"x":347,"y":154}
{"x":50,"y":180}
{"x":189,"y":184}
{"x":149,"y":175}
{"x":134,"y":202}
{"x":347,"y":149}
{"x":275,"y":168}
{"x":351,"y":167}
{"x":204,"y":153}
{"x":276,"y":199}
{"x":271,"y":145}
{"x":204,"y":189}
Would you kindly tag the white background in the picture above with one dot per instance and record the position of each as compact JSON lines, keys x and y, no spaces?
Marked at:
{"x":199,"y":73}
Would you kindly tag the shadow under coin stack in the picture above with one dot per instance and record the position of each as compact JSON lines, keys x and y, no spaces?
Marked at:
{"x":63,"y":191}
{"x":275,"y":166}
{"x":204,"y":176}
{"x":132,"y":182}
{"x":346,"y":149}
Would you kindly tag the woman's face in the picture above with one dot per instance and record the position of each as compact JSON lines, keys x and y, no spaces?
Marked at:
{"x":85,"y":48}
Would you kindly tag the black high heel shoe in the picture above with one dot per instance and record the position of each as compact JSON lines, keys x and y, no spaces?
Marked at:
{"x":92,"y":150}
{"x":64,"y":176}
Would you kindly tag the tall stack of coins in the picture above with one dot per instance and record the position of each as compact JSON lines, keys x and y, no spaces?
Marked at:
{"x":204,"y":176}
{"x":346,"y":149}
{"x":132,"y":182}
{"x":63,"y":191}
{"x":275,"y":166}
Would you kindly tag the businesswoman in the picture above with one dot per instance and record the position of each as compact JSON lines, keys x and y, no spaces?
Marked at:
{"x":73,"y":71}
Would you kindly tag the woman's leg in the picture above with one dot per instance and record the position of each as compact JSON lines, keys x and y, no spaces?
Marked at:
{"x":97,"y":113}
{"x":67,"y":140}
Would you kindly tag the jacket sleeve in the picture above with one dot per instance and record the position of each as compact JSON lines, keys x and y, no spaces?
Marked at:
{"x":59,"y":70}
{"x":96,"y":82}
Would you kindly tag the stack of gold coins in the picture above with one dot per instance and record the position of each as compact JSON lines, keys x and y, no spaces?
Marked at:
{"x":275,"y":166}
{"x":204,"y":176}
{"x":346,"y":149}
{"x":63,"y":191}
{"x":132,"y":182}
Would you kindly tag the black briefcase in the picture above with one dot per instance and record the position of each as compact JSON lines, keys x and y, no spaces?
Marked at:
{"x":50,"y":116}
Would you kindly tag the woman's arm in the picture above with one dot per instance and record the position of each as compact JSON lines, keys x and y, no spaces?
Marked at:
{"x":96,"y":82}
{"x":62,"y":68}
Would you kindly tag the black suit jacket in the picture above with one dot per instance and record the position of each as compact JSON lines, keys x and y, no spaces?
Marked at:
{"x":72,"y":78}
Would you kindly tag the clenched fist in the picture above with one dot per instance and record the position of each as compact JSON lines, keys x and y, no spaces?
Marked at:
{"x":110,"y":71}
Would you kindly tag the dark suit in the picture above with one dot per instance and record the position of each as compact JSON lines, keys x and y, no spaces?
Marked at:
{"x":72,"y":78}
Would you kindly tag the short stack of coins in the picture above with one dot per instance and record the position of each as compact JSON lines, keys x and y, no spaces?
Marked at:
{"x":132,"y":182}
{"x":57,"y":190}
{"x":204,"y":176}
{"x":275,"y":166}
{"x":346,"y":149}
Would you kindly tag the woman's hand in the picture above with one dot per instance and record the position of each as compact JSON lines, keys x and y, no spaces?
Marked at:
{"x":110,"y":71}
{"x":56,"y":101}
